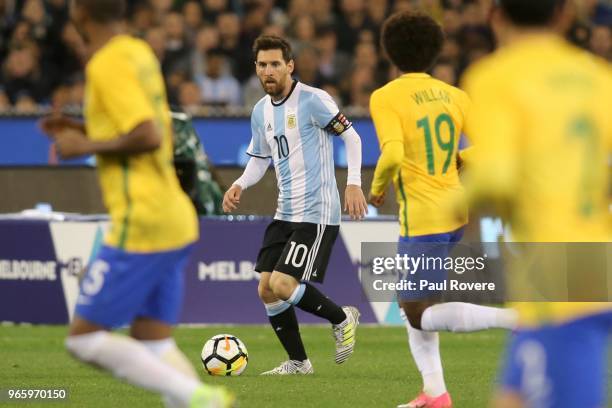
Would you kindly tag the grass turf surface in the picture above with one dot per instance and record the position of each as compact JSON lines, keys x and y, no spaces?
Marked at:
{"x":381,"y":373}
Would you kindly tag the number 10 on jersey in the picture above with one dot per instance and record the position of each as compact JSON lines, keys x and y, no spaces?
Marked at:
{"x":282,"y":146}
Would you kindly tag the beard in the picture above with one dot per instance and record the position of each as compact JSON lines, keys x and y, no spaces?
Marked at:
{"x":273,"y":87}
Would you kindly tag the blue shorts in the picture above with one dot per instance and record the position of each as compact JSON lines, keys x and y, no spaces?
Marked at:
{"x":560,"y":366}
{"x":120,"y":286}
{"x":431,"y":246}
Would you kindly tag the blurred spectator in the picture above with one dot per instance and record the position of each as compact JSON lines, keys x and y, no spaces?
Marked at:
{"x":156,"y":38}
{"x":601,"y":41}
{"x":176,"y":64}
{"x":5,"y":104}
{"x":192,"y":12}
{"x":216,"y":86}
{"x":299,"y":8}
{"x":307,"y":67}
{"x":353,"y":20}
{"x":177,"y":53}
{"x":206,"y":39}
{"x":445,"y":71}
{"x":229,"y":28}
{"x":321,"y":11}
{"x":25,"y":104}
{"x":161,"y":8}
{"x":214,"y":8}
{"x":302,"y":32}
{"x":362,"y":84}
{"x":22,"y":77}
{"x":333,"y":64}
{"x":378,"y":11}
{"x":190,"y":97}
{"x":274,"y":29}
{"x":34,"y":13}
{"x":143,"y":18}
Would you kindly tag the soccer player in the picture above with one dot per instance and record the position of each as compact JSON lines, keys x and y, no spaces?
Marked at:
{"x":419,"y":122}
{"x":137,"y":277}
{"x":294,"y":125}
{"x":542,"y":134}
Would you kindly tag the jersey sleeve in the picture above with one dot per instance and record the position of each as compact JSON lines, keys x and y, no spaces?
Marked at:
{"x":258,"y":147}
{"x":387,"y":122}
{"x":326,"y":115}
{"x":115,"y":83}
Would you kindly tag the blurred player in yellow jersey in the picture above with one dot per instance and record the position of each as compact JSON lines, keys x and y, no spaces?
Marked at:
{"x":419,"y":121}
{"x":137,"y":277}
{"x":541,"y":125}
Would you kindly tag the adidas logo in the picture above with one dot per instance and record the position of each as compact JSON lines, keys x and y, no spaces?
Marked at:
{"x":269,"y":128}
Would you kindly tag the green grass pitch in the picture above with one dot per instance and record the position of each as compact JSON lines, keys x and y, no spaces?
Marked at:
{"x":381,"y":373}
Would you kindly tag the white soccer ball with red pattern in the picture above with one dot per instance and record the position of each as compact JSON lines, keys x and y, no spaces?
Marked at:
{"x":224,"y":355}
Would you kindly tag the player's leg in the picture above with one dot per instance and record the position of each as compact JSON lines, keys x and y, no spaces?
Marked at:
{"x":304,"y":259}
{"x":284,"y":322}
{"x":425,"y":350}
{"x":115,"y":287}
{"x":424,"y":346}
{"x":280,"y":313}
{"x":453,"y":316}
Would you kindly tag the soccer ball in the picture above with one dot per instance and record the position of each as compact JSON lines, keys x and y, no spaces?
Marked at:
{"x":224,"y":354}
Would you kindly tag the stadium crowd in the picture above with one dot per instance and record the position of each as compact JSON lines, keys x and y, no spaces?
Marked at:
{"x":204,"y":46}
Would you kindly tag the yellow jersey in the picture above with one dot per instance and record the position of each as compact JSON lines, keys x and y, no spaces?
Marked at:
{"x":542,"y":133}
{"x":149,"y":211}
{"x":427,"y":116}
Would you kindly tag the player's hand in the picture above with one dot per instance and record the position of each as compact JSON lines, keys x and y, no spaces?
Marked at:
{"x":71,"y":143}
{"x":376,"y":200}
{"x":231,"y":199}
{"x":56,"y":123}
{"x":354,"y":202}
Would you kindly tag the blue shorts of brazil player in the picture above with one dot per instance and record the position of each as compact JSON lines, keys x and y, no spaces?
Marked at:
{"x":560,"y":366}
{"x":120,"y":286}
{"x":426,"y":247}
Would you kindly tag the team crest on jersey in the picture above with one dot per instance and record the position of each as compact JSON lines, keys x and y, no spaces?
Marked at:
{"x":291,"y":121}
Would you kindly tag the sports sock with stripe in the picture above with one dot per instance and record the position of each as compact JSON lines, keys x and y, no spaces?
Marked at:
{"x":309,"y":299}
{"x":284,"y":322}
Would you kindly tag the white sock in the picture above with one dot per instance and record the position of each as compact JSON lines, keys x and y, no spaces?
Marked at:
{"x":466,"y":317}
{"x":126,"y":358}
{"x":425,"y":349}
{"x":169,"y":353}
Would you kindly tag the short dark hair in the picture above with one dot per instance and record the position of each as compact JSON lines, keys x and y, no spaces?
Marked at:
{"x":530,"y":12}
{"x":412,"y":40}
{"x":272,"y":42}
{"x":104,"y":11}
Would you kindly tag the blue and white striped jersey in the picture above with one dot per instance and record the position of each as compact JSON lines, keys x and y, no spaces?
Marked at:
{"x":297,"y":134}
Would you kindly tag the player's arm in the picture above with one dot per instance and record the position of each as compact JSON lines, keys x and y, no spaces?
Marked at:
{"x":254,"y":171}
{"x":354,"y":200}
{"x":390,"y":136}
{"x":326,"y":114}
{"x":72,"y":143}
